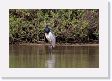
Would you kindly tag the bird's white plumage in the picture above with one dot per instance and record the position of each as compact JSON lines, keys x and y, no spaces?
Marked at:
{"x":51,"y":38}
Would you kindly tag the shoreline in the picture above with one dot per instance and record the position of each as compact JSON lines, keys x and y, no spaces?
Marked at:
{"x":65,"y":44}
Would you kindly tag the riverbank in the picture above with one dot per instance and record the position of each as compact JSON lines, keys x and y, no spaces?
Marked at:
{"x":58,"y":44}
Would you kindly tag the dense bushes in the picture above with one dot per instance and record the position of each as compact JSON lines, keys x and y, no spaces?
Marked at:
{"x":75,"y":25}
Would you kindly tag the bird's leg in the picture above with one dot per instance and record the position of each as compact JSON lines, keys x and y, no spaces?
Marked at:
{"x":50,"y":49}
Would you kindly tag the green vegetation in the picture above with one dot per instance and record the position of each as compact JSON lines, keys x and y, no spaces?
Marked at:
{"x":69,"y":25}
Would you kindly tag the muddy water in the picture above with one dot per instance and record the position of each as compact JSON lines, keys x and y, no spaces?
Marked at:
{"x":40,"y":56}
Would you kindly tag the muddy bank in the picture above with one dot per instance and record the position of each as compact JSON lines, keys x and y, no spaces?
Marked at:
{"x":58,"y":44}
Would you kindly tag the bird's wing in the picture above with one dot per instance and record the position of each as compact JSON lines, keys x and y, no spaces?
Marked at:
{"x":53,"y":40}
{"x":48,"y":37}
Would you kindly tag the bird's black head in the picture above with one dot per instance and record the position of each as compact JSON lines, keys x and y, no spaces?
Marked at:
{"x":47,"y":29}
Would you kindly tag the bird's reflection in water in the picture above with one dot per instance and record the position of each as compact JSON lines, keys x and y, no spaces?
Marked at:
{"x":50,"y":62}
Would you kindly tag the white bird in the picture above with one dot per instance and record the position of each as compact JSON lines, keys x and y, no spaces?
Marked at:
{"x":50,"y":36}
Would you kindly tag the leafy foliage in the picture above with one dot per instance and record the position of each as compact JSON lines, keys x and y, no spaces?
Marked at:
{"x":69,"y":25}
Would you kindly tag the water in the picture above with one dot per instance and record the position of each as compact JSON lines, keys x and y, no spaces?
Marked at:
{"x":40,"y":56}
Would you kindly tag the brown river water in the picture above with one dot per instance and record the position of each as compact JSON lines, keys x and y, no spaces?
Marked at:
{"x":62,"y":56}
